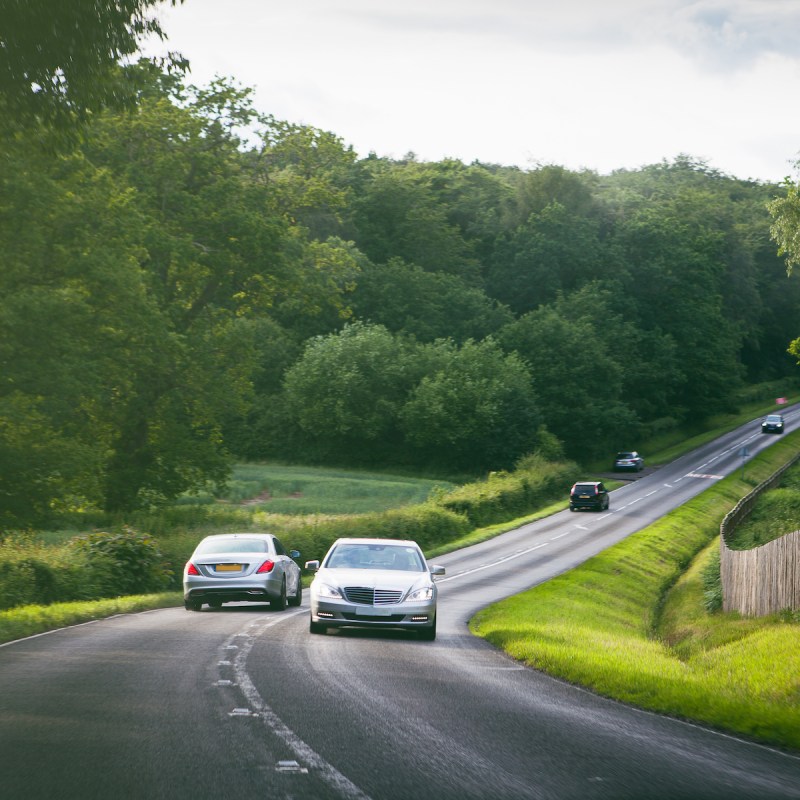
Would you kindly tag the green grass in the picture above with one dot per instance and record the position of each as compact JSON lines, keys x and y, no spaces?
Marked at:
{"x":18,"y":623}
{"x":776,"y":513}
{"x":630,"y":624}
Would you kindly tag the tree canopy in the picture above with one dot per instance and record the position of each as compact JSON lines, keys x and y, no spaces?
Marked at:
{"x":175,"y":294}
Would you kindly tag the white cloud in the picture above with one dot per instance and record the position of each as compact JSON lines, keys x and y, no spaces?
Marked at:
{"x":617,"y":84}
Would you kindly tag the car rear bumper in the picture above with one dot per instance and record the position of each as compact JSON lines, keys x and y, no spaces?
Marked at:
{"x":232,"y":590}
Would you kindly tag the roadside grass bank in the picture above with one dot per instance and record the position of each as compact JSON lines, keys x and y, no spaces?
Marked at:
{"x":631,"y":624}
{"x":19,"y":623}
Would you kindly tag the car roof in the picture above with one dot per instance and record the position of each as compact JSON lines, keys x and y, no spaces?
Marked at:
{"x":375,"y":540}
{"x":238,"y":536}
{"x":587,"y":483}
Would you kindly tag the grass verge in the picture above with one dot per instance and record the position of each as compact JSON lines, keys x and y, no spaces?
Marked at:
{"x":612,"y":625}
{"x":18,"y":623}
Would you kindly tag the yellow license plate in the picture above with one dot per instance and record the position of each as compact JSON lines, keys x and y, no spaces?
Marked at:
{"x":229,"y":567}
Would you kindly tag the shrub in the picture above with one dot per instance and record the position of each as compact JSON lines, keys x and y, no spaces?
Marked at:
{"x":712,"y":584}
{"x":123,"y":563}
{"x":505,"y":496}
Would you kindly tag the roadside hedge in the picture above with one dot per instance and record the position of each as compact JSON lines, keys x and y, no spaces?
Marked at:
{"x":128,"y":562}
{"x":92,"y":567}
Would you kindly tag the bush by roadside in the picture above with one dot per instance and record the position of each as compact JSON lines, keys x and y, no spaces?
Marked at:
{"x":90,"y":567}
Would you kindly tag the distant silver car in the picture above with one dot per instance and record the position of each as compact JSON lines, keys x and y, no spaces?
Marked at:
{"x":251,"y":567}
{"x":628,"y":459}
{"x":374,"y":583}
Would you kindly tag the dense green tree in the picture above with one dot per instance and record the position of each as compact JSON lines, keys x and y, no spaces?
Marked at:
{"x":397,"y":214}
{"x":345,"y":392}
{"x":577,"y":381}
{"x":59,"y":61}
{"x":476,"y":411}
{"x":554,"y":251}
{"x":75,"y":323}
{"x":785,"y":229}
{"x":428,"y":305}
{"x":219,"y":248}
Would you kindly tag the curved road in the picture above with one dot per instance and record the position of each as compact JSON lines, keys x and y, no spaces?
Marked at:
{"x":244,"y":703}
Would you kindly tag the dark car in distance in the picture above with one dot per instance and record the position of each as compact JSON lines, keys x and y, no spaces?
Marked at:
{"x":773,"y":423}
{"x":628,"y":459}
{"x":589,"y":495}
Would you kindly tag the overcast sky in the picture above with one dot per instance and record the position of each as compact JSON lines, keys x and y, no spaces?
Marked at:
{"x":580,"y":83}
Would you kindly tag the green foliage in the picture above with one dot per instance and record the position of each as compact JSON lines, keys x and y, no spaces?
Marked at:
{"x":123,"y":563}
{"x":712,"y":583}
{"x":775,"y":513}
{"x":58,"y":61}
{"x":90,"y":567}
{"x":407,"y":299}
{"x":506,"y":496}
{"x":200,"y":280}
{"x":785,"y":230}
{"x":477,"y":409}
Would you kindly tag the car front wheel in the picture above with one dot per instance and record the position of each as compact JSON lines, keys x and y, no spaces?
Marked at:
{"x":315,"y":627}
{"x":428,"y":634}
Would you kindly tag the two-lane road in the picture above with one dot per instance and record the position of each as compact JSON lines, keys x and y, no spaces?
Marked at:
{"x":245,"y":703}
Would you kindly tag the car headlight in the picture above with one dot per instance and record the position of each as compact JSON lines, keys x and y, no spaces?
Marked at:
{"x":323,"y":590}
{"x":426,"y":593}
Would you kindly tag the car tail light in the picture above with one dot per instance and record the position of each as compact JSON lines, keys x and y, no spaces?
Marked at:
{"x":265,"y":567}
{"x":191,"y":569}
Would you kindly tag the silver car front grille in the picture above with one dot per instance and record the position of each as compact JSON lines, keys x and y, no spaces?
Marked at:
{"x":365,"y":595}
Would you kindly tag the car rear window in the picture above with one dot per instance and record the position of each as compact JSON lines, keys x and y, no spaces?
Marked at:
{"x":216,"y":546}
{"x":625,"y":455}
{"x":584,"y":488}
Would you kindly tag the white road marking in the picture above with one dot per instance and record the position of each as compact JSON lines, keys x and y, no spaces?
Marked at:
{"x":493,"y":563}
{"x":257,"y":707}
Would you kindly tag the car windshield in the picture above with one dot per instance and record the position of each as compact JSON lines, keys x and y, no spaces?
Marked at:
{"x":774,"y":418}
{"x":216,"y":546}
{"x":376,"y":556}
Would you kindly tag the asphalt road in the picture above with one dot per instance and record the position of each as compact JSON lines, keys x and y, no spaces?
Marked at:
{"x":245,"y":703}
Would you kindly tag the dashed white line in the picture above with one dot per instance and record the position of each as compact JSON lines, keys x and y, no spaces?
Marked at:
{"x":327,"y":772}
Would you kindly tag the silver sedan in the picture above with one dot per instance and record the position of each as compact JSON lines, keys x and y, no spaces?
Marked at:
{"x":374,"y":583}
{"x":251,"y":567}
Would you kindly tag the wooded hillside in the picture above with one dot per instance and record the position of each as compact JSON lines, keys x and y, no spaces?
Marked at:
{"x":190,"y":281}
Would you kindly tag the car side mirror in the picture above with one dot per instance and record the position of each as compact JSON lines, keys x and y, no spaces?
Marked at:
{"x":312,"y":566}
{"x":294,"y":554}
{"x":437,"y":570}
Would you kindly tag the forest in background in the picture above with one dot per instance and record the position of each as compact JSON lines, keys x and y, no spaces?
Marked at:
{"x":191,"y":282}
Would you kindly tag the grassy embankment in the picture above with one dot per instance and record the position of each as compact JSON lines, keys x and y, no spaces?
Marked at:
{"x":631,"y":624}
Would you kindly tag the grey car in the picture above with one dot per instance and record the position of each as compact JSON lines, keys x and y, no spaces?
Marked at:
{"x":236,"y":567}
{"x":628,"y":459}
{"x":374,"y":583}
